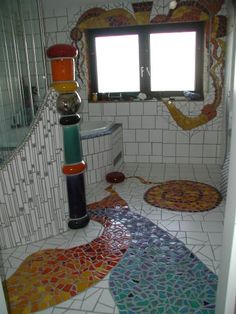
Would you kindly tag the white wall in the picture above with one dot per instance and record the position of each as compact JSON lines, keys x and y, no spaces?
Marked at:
{"x":226,"y":292}
{"x":149,"y":132}
{"x":229,"y":70}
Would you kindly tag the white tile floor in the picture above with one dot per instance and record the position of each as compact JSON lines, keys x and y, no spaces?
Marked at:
{"x":200,"y":232}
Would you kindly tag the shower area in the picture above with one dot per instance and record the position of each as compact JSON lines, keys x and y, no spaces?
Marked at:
{"x":23,"y":80}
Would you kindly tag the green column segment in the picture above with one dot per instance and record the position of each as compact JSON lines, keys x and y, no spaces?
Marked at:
{"x":72,"y":144}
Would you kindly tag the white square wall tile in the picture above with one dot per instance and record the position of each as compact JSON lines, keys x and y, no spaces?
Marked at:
{"x":148,"y":122}
{"x":195,"y":160}
{"x":89,"y":162}
{"x":197,"y":138}
{"x":62,"y":22}
{"x":59,"y":11}
{"x":169,"y":137}
{"x":129,"y":135}
{"x":211,"y":137}
{"x":220,"y":150}
{"x":209,"y":160}
{"x":182,"y":137}
{"x":156,"y":136}
{"x":131,"y":149}
{"x":136,"y":108}
{"x":62,"y":37}
{"x":96,"y":145}
{"x":95,"y":109}
{"x":101,"y":143}
{"x":157,"y":159}
{"x":95,"y":161}
{"x":109,"y":109}
{"x":142,"y":158}
{"x":182,"y":150}
{"x":107,"y":142}
{"x":169,"y":150}
{"x":85,"y":147}
{"x":107,"y":118}
{"x":90,"y":146}
{"x":50,"y":24}
{"x":142,"y":135}
{"x":130,"y":158}
{"x":162,"y":123}
{"x":135,"y":122}
{"x":150,"y":108}
{"x":182,"y":160}
{"x":196,"y":150}
{"x":221,"y":136}
{"x":145,"y":148}
{"x":157,"y":149}
{"x":209,"y":150}
{"x":123,"y":109}
{"x":123,"y":121}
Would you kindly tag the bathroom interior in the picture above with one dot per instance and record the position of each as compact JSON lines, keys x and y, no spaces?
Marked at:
{"x":136,"y":254}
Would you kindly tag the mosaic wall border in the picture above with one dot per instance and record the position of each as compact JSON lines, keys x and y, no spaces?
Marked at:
{"x":149,"y":132}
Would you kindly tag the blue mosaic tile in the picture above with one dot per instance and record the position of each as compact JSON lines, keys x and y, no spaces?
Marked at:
{"x":158,"y":274}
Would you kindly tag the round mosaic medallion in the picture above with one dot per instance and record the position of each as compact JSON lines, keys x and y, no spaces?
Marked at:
{"x":182,"y":195}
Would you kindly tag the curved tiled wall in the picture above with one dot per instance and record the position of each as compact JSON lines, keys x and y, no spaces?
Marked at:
{"x":33,"y":194}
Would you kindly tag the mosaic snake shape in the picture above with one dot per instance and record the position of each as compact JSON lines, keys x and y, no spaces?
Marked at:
{"x":200,"y":10}
{"x":49,"y":277}
{"x":164,"y":276}
{"x":208,"y":112}
{"x":158,"y":274}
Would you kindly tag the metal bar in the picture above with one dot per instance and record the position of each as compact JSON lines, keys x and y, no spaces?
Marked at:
{"x":18,"y":73}
{"x":42,"y":37}
{"x":26,"y":57}
{"x":34,"y":55}
{"x":8,"y":69}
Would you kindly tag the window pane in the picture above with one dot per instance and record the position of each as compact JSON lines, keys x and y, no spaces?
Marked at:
{"x":172,"y":59}
{"x":118,"y":63}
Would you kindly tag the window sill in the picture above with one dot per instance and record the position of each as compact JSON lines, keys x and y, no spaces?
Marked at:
{"x":175,"y":99}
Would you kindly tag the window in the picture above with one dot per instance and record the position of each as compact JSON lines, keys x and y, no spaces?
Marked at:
{"x":117,"y":57}
{"x":159,"y":60}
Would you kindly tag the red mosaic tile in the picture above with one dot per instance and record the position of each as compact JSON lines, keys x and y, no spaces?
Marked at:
{"x":51,"y":276}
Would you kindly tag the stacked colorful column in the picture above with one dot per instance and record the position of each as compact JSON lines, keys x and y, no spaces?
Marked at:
{"x":63,"y":76}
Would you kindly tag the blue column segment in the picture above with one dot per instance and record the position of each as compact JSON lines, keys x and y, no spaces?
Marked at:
{"x":75,"y":183}
{"x":77,"y":201}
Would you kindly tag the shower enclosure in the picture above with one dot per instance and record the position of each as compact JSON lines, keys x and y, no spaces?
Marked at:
{"x":23,"y":80}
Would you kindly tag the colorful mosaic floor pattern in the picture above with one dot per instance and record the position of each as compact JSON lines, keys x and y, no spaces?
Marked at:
{"x":155,"y":273}
{"x":49,"y":277}
{"x":158,"y":274}
{"x":183,"y":195}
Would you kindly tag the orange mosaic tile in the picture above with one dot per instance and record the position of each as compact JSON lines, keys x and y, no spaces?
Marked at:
{"x":111,"y":201}
{"x":49,"y":277}
{"x":52,"y":276}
